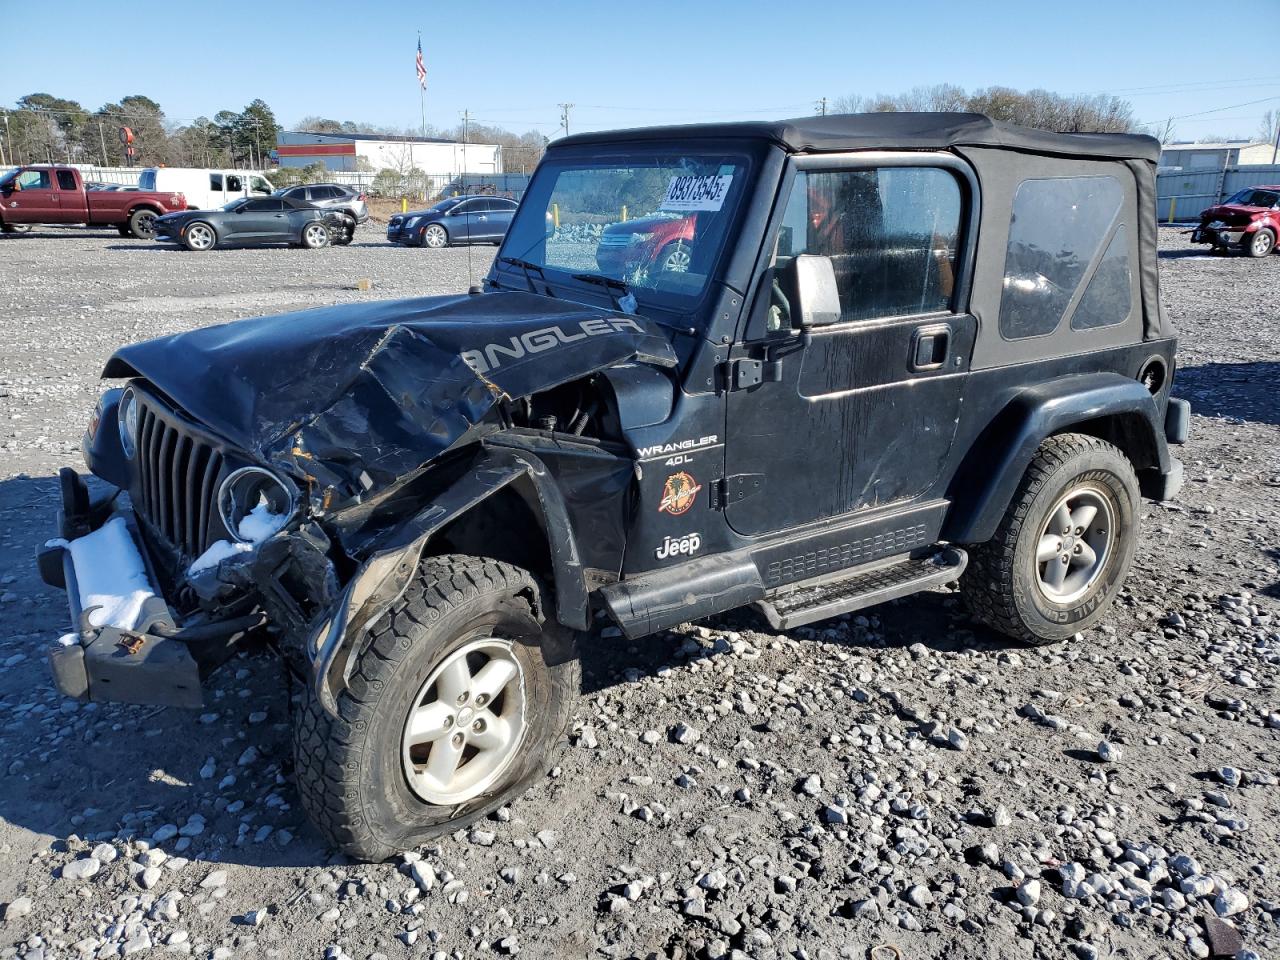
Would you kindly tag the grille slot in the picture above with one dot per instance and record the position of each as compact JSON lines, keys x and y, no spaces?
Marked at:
{"x":177,"y":478}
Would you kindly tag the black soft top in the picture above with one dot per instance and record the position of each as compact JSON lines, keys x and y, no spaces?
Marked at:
{"x":894,"y":131}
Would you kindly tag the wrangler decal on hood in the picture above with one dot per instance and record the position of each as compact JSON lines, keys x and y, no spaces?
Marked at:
{"x":493,"y":355}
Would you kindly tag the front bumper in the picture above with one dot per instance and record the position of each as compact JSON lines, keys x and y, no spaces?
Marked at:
{"x":1223,"y":236}
{"x":144,"y":656}
{"x":399,"y":233}
{"x":125,"y":662}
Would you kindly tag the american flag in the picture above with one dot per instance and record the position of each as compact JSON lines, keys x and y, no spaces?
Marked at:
{"x":422,"y":70}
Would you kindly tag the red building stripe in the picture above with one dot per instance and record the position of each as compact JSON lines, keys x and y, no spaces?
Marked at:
{"x":316,"y":150}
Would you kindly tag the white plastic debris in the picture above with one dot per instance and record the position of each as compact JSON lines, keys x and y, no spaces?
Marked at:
{"x":110,"y":575}
{"x":258,"y":525}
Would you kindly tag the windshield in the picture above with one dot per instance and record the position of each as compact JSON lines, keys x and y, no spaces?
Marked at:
{"x":449,"y":204}
{"x":1250,"y":197}
{"x":235,"y":203}
{"x":655,"y":221}
{"x":9,"y":175}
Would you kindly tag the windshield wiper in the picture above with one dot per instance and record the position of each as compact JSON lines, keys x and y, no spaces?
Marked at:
{"x":609,"y":283}
{"x":525,"y":267}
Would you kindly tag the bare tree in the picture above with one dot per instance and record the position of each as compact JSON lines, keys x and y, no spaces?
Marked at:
{"x":1269,"y":126}
{"x":1042,"y":109}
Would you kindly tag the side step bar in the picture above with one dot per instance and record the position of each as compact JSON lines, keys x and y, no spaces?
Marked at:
{"x":796,"y":606}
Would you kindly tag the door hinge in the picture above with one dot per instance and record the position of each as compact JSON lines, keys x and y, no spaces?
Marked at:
{"x":732,"y":489}
{"x":744,"y":373}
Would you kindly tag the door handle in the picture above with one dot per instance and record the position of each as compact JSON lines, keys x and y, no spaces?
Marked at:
{"x":482,"y":217}
{"x":930,"y":347}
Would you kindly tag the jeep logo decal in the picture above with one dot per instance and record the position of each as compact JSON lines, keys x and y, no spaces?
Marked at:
{"x":685,"y":546}
{"x":493,"y":355}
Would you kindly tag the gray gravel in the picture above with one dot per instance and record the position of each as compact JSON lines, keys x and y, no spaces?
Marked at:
{"x":892,"y":777}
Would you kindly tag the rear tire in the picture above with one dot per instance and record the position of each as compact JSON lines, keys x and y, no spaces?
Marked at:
{"x":367,"y":780}
{"x":315,"y":235}
{"x":15,"y":228}
{"x":1260,"y":244}
{"x":674,"y":258}
{"x":1034,"y":580}
{"x":142,"y":224}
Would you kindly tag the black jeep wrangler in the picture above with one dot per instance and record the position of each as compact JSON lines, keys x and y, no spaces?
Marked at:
{"x":805,"y":366}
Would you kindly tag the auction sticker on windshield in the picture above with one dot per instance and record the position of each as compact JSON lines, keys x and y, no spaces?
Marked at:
{"x":696,"y":193}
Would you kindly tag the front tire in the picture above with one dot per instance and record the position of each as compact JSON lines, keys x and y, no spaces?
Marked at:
{"x":674,"y":258}
{"x":1064,"y":547}
{"x":456,"y":699}
{"x":142,"y":224}
{"x":435,"y":237}
{"x":199,"y":237}
{"x":1260,"y":244}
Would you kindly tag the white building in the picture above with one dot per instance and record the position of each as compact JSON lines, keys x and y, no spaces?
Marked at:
{"x":375,"y":151}
{"x":1215,"y":156}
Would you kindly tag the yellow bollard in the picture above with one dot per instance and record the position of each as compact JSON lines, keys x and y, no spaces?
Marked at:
{"x":404,"y":204}
{"x":555,"y":215}
{"x":1173,"y":205}
{"x":624,"y":213}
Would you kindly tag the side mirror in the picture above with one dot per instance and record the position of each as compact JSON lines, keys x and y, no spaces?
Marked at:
{"x":816,"y":291}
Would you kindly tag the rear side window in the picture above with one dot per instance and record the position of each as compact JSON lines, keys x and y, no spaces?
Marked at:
{"x":891,"y":234}
{"x":66,"y":180}
{"x":234,"y":182}
{"x":215,"y":181}
{"x":1059,"y":227}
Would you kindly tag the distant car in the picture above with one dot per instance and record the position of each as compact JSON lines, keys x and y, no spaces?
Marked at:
{"x":333,"y":196}
{"x":456,"y":220}
{"x":663,"y":242}
{"x":1248,"y":221}
{"x":255,"y":221}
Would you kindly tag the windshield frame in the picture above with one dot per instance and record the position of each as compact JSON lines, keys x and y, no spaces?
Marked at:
{"x":535,"y":203}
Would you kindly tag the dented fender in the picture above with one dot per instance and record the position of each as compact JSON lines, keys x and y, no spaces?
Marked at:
{"x":385,"y":575}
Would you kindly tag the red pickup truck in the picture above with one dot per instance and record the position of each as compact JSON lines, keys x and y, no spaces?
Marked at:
{"x":53,"y":194}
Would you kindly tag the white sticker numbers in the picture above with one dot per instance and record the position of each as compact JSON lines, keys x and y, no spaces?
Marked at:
{"x":697,"y":193}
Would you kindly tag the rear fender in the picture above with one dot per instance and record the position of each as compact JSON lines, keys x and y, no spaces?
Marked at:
{"x":1106,"y":405}
{"x":383,"y":578}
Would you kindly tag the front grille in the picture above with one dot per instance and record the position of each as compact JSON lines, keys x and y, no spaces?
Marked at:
{"x":178,"y":476}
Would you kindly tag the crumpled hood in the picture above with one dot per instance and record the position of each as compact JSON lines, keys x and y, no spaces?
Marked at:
{"x":358,"y":396}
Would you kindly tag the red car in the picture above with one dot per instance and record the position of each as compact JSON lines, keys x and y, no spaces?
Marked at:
{"x":41,"y":193}
{"x":661,"y":241}
{"x":1248,"y":221}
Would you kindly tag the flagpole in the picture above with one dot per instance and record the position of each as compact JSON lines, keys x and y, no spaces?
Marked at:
{"x":422,"y":94}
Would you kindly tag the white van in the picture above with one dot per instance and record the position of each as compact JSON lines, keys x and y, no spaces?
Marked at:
{"x":205,"y":189}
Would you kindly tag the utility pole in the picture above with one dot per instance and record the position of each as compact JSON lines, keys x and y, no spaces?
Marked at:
{"x":1275,"y":150}
{"x":822,"y":106}
{"x":102,"y":138}
{"x":564,"y":116}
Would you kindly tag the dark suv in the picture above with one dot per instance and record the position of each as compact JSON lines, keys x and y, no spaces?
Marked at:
{"x":331,"y":196}
{"x":903,"y":350}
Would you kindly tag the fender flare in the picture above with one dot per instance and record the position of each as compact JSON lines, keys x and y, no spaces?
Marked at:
{"x":383,"y":578}
{"x":984,"y":485}
{"x":144,"y":205}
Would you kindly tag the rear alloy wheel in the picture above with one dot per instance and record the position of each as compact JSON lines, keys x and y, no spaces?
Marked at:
{"x":435,"y":237}
{"x":142,"y":224}
{"x":315,"y":235}
{"x":1062,"y":552}
{"x":199,"y":237}
{"x":1261,"y":243}
{"x":675,"y":258}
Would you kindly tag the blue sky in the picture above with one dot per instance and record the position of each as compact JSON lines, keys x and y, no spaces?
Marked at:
{"x":629,"y":64}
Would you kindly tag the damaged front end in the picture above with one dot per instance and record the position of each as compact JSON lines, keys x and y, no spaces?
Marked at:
{"x":288,"y":472}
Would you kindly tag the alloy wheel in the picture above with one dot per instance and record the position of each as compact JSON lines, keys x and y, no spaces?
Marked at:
{"x":316,"y":235}
{"x":466,"y":723}
{"x":1262,"y":243}
{"x":1075,"y":544}
{"x":200,"y":237}
{"x":435,"y":236}
{"x":678,"y":260}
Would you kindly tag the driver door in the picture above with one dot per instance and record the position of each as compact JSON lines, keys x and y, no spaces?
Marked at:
{"x":35,"y":202}
{"x":861,"y":411}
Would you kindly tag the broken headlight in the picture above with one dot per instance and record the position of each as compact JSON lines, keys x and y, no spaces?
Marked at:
{"x":254,"y":504}
{"x":127,"y":420}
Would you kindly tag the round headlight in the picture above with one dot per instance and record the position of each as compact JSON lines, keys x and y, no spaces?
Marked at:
{"x":128,"y":423}
{"x":254,"y":504}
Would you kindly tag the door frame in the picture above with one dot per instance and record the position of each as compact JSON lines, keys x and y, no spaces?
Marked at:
{"x":752,"y":339}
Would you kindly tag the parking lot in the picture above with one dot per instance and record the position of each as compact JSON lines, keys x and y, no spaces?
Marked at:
{"x":700,"y":806}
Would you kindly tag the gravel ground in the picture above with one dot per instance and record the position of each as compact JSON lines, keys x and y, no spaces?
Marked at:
{"x":893,"y":778}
